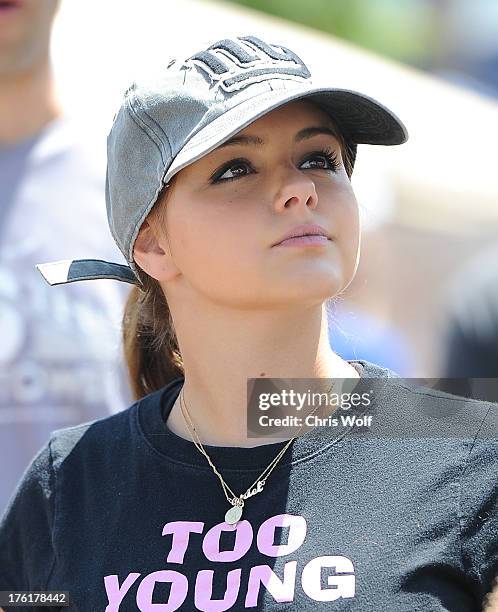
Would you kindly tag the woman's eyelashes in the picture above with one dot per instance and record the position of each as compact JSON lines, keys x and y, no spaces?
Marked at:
{"x":327,"y":157}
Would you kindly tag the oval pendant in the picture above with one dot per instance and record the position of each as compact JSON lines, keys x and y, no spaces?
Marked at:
{"x":233,"y":515}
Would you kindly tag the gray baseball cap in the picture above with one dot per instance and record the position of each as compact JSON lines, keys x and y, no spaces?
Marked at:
{"x":187,"y":109}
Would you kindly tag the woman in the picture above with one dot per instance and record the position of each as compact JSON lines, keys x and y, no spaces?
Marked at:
{"x":171,"y":504}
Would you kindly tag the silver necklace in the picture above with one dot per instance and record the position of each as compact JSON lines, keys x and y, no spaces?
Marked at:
{"x":234,"y":514}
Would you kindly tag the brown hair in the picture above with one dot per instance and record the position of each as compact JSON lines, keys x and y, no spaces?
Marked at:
{"x":150,"y":344}
{"x":151,"y":349}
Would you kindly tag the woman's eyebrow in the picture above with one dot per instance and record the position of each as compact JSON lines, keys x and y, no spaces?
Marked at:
{"x":308,"y":132}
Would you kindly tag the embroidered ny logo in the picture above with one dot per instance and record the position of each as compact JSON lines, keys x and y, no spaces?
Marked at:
{"x":237,"y":65}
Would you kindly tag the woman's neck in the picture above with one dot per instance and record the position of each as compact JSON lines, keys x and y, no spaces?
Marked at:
{"x":217,"y":369}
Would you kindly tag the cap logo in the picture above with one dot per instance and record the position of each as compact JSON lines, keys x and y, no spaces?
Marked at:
{"x":235,"y":65}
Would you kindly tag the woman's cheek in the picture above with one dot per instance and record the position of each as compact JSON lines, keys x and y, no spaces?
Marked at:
{"x":346,"y":231}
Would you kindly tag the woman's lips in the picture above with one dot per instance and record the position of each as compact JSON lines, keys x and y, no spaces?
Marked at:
{"x":315,"y":240}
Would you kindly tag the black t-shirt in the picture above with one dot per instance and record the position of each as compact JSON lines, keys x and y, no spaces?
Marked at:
{"x":124,"y":514}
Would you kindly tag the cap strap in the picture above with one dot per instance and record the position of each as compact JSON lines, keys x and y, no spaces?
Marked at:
{"x":73,"y":270}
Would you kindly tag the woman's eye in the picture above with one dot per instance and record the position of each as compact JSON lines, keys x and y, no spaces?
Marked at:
{"x":327,"y":160}
{"x":237,"y":164}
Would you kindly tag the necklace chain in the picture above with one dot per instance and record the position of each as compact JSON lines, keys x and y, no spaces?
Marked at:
{"x":235,"y":500}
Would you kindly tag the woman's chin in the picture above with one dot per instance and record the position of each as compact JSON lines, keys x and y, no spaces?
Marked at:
{"x":308,"y":293}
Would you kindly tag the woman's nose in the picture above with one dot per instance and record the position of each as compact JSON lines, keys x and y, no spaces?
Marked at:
{"x":295,"y":190}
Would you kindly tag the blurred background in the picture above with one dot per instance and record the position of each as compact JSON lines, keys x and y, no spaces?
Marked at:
{"x":429,"y":207}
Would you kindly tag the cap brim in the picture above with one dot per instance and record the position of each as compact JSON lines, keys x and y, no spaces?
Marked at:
{"x":73,"y":270}
{"x":363,"y":119}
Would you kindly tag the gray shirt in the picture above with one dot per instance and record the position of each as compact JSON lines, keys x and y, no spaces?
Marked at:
{"x":60,"y":348}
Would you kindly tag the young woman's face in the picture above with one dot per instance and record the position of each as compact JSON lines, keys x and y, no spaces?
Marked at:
{"x":226,"y":212}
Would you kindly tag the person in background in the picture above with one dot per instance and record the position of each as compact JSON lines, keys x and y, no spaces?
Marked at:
{"x":60,"y":356}
{"x":470,"y":328}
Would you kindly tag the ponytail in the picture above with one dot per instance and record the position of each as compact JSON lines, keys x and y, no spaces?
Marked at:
{"x":150,"y":345}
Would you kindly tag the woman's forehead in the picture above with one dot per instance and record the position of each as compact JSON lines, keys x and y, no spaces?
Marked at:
{"x":297,"y":114}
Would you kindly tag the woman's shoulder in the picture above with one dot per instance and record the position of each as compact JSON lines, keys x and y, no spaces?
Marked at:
{"x":106,"y":436}
{"x":419,"y":408}
{"x":62,"y":442}
{"x":369,"y":369}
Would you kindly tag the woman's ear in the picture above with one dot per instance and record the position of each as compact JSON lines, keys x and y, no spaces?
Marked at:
{"x":150,"y":256}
